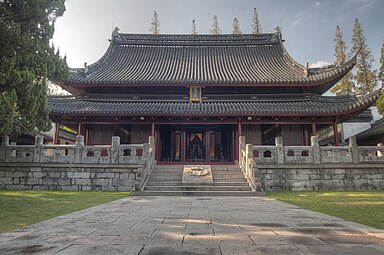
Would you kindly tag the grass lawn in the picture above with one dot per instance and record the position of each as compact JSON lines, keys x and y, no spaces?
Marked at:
{"x":21,"y":208}
{"x":365,"y":207}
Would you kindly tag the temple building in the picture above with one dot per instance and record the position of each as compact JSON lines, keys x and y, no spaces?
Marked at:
{"x":197,"y":94}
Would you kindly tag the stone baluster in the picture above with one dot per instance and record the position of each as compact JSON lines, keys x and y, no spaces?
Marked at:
{"x":115,"y":150}
{"x":279,"y":150}
{"x":39,"y":140}
{"x":3,"y":148}
{"x":248,"y":155}
{"x":354,"y":149}
{"x":315,"y":149}
{"x":79,"y":147}
{"x":242,"y":147}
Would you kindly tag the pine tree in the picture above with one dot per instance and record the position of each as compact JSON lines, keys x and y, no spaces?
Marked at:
{"x":236,"y":27}
{"x":381,"y":70}
{"x":364,"y":77}
{"x":380,"y":100}
{"x":194,"y":29}
{"x":345,"y":85}
{"x":27,"y":63}
{"x":215,"y":30}
{"x":155,"y":24}
{"x":256,"y":23}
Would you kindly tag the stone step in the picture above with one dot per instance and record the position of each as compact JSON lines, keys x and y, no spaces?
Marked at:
{"x":235,"y":179}
{"x":201,"y":193}
{"x":179,"y":183}
{"x":198,"y":188}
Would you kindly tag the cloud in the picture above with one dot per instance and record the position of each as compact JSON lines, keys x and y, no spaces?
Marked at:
{"x":317,"y":3}
{"x":320,"y":63}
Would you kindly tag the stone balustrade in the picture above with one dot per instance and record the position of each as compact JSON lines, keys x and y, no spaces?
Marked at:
{"x":123,"y":167}
{"x":312,"y":167}
{"x":314,"y":154}
{"x":79,"y":153}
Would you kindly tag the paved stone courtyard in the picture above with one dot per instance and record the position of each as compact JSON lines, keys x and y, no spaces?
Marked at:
{"x":194,"y":225}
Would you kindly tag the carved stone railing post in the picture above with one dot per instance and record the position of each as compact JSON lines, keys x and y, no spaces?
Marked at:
{"x":241,"y":147}
{"x":279,"y":149}
{"x":151,"y":142}
{"x":39,"y":140}
{"x":115,"y":150}
{"x":354,"y":149}
{"x":315,"y":149}
{"x":79,"y":146}
{"x":3,"y":148}
{"x":248,"y":155}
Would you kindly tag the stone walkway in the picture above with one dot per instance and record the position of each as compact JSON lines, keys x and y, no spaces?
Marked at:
{"x":194,"y":225}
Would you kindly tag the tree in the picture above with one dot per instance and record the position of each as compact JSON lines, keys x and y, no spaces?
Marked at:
{"x":380,"y":101}
{"x":236,"y":27}
{"x":215,"y":30}
{"x":381,"y":70}
{"x":345,"y":85}
{"x":194,"y":29}
{"x":27,"y":62}
{"x":256,"y":23}
{"x":364,"y":77}
{"x":155,"y":24}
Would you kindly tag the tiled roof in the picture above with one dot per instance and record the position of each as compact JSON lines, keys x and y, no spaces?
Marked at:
{"x":376,"y":129}
{"x":202,"y":59}
{"x":307,"y":104}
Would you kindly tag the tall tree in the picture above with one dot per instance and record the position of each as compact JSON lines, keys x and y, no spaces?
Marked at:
{"x":155,"y":24}
{"x":380,"y":101}
{"x":194,"y":28}
{"x":215,"y":29}
{"x":381,"y":70}
{"x":256,"y":23}
{"x":236,"y":27}
{"x":364,"y":77}
{"x":27,"y":62}
{"x":345,"y":85}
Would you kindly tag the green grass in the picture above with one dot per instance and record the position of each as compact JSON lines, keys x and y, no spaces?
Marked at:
{"x":365,"y":207}
{"x":22,"y":208}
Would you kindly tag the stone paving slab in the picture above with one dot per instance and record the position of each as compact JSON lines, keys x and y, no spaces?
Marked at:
{"x":194,"y":225}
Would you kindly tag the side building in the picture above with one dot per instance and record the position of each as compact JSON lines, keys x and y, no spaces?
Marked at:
{"x":197,"y":94}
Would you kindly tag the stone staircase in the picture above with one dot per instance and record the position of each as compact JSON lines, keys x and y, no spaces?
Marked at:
{"x":228,"y":180}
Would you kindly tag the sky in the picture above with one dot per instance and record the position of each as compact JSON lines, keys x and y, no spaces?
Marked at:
{"x":308,"y":26}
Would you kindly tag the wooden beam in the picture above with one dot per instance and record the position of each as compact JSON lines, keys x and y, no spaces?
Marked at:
{"x":79,"y":128}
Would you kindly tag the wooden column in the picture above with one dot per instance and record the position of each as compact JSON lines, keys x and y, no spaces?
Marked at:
{"x":153,"y":128}
{"x":233,"y":144}
{"x":306,"y":135}
{"x":239,"y":127}
{"x":56,"y":136}
{"x":335,"y":134}
{"x":157,"y":144}
{"x":183,"y":144}
{"x":278,"y":130}
{"x":86,"y":135}
{"x":207,"y":145}
{"x":314,"y":131}
{"x":79,"y":128}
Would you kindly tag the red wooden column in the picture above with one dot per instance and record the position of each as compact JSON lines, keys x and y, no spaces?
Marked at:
{"x":314,"y":131}
{"x":56,"y":136}
{"x":306,"y":140}
{"x":153,"y":128}
{"x":335,"y":136}
{"x":207,"y":145}
{"x":79,"y":128}
{"x":239,"y":127}
{"x":183,"y":144}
